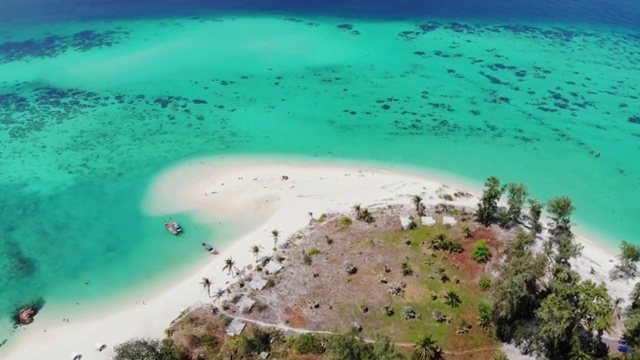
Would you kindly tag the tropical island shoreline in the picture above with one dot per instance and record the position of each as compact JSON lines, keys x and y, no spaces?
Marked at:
{"x":269,"y":193}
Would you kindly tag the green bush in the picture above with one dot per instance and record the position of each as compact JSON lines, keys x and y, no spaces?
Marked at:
{"x":455,"y":247}
{"x":308,"y":344}
{"x":322,"y":218}
{"x":485,"y":282}
{"x":313,"y":251}
{"x":149,"y":349}
{"x":209,"y":341}
{"x":346,"y":221}
{"x":481,"y":251}
{"x":306,"y":259}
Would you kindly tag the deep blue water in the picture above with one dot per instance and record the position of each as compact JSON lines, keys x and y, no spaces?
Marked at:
{"x":622,"y":13}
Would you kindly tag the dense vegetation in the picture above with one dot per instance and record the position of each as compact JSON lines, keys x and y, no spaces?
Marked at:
{"x":535,"y":299}
{"x":256,"y":341}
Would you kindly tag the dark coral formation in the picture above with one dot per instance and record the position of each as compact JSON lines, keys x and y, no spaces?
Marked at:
{"x":553,"y":33}
{"x":55,"y":45}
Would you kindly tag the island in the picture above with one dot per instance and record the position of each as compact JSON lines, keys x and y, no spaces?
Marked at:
{"x":358,"y":261}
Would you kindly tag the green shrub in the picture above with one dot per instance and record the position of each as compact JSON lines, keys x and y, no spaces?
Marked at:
{"x":209,"y":341}
{"x":501,"y":356}
{"x":481,"y":251}
{"x":322,"y":218}
{"x":346,"y":221}
{"x":485,"y":282}
{"x":447,"y":197}
{"x":308,"y":344}
{"x":313,"y":251}
{"x":149,"y":349}
{"x":306,"y":259}
{"x":406,"y":269}
{"x":455,"y":247}
{"x":485,"y":315}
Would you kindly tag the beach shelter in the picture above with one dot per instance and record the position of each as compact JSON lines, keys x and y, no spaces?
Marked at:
{"x":448,"y":220}
{"x":101,"y":346}
{"x":76,"y":356}
{"x":428,"y":221}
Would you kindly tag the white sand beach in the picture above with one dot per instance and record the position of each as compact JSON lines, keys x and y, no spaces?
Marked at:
{"x":218,"y":189}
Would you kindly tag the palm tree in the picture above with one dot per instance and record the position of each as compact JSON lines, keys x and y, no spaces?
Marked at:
{"x":452,"y":299}
{"x":206,"y":285}
{"x":358,"y":209}
{"x":417,"y":202}
{"x":484,"y":321}
{"x":366,"y":216}
{"x":219,"y":293}
{"x":275,"y":233}
{"x":255,"y":249}
{"x":228,"y":265}
{"x":438,"y":243}
{"x":426,"y":349}
{"x":616,"y":307}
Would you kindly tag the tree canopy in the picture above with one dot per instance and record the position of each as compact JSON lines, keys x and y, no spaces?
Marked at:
{"x":535,"y":212}
{"x":560,"y":208}
{"x":148,"y":349}
{"x":516,"y":197}
{"x":627,"y":267}
{"x":488,"y":207}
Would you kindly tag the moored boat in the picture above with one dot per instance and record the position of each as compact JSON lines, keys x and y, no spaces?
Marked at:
{"x":173,"y":227}
{"x":210,"y":249}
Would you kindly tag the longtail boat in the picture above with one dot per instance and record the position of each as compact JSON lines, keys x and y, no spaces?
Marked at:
{"x":210,"y":249}
{"x":173,"y":227}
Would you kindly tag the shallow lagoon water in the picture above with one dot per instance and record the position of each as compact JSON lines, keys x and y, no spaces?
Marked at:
{"x":91,"y":111}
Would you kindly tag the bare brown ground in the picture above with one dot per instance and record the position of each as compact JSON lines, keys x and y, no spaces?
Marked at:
{"x":321,"y":296}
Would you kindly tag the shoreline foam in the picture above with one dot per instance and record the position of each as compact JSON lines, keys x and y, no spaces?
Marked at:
{"x":224,"y":189}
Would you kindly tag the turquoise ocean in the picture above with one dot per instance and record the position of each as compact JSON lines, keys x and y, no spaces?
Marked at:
{"x":97,"y":98}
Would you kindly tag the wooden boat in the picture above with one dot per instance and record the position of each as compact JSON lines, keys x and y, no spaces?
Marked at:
{"x":210,"y":249}
{"x":173,"y":227}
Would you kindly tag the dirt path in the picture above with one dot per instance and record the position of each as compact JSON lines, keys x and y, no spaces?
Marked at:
{"x":276,"y":326}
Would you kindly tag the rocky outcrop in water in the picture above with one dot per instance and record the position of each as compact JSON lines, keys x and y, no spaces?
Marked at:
{"x":26,"y":315}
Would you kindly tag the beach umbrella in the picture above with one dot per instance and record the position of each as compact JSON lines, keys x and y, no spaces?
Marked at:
{"x":101,"y":346}
{"x":76,"y":356}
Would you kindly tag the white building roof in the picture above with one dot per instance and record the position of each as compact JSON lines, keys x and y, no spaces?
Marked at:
{"x":405,"y":221}
{"x":245,"y":304}
{"x":257,"y":283}
{"x":235,"y":327}
{"x":273,"y":267}
{"x":448,"y":220}
{"x":428,"y":221}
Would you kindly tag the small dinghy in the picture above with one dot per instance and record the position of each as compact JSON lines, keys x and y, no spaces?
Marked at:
{"x":210,"y":249}
{"x":173,"y":227}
